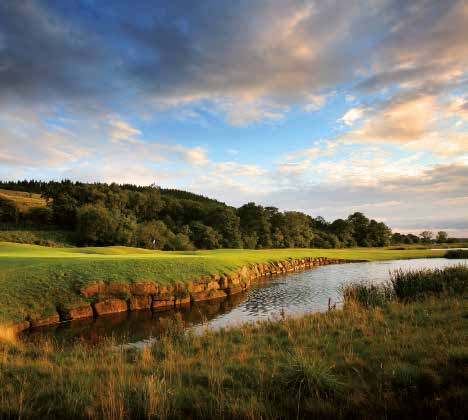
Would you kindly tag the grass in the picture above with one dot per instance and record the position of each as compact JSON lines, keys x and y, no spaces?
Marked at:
{"x":23,"y":199}
{"x":35,"y":280}
{"x":400,"y":360}
{"x":457,"y":253}
{"x":407,"y":285}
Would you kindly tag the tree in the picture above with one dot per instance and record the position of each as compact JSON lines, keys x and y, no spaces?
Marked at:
{"x":100,"y":226}
{"x":426,"y":236}
{"x":39,"y":215}
{"x":225,"y":221}
{"x":254,"y":222}
{"x":154,"y":235}
{"x":442,"y":237}
{"x":378,"y":234}
{"x":359,"y":224}
{"x":9,"y":211}
{"x":298,"y":232}
{"x":204,"y":237}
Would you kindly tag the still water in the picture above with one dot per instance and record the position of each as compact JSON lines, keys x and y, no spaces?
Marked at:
{"x":292,"y":294}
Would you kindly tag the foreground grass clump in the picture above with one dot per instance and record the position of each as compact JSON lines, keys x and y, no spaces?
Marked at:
{"x":400,"y":360}
{"x":457,"y":253}
{"x":407,"y":285}
{"x":35,"y":280}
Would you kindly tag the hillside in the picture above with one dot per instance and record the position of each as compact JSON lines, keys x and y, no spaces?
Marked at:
{"x":23,"y":199}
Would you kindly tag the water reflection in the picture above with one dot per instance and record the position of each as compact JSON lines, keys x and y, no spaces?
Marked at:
{"x":294,"y":294}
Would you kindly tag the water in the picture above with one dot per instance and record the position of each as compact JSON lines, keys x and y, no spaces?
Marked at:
{"x":293,"y":294}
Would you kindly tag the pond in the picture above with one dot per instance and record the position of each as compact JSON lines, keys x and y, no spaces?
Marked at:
{"x":292,"y":294}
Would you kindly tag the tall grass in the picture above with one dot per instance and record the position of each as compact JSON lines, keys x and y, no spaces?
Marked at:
{"x":457,"y":254}
{"x":399,"y":360}
{"x":406,"y":285}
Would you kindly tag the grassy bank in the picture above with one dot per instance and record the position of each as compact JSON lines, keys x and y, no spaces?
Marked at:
{"x":36,"y":280}
{"x":398,"y":360}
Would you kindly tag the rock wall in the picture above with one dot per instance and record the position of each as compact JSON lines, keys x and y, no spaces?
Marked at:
{"x":116,"y":297}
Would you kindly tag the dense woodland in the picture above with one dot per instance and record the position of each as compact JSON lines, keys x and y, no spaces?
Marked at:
{"x":167,"y":219}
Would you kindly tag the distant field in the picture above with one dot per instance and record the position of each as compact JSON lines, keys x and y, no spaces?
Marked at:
{"x":24,"y":199}
{"x":35,"y":279}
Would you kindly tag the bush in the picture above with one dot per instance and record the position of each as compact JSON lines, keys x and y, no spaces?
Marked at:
{"x":457,"y":254}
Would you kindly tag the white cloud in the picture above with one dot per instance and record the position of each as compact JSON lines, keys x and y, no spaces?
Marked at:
{"x":352,"y":115}
{"x":121,"y":131}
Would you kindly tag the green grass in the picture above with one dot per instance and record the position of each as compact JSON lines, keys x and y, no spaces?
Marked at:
{"x":35,"y":280}
{"x":401,"y":360}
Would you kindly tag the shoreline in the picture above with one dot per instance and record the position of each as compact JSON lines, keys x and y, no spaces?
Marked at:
{"x":111,"y":298}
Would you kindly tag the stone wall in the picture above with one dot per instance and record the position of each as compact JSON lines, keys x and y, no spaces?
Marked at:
{"x":115,"y":297}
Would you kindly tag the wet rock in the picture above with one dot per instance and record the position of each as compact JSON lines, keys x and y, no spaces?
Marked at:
{"x":139,"y":302}
{"x":185,"y":300}
{"x":224,"y":282}
{"x":110,"y":306}
{"x":233,"y":290}
{"x":162,"y":304}
{"x":93,"y":289}
{"x":69,"y":312}
{"x":44,"y":320}
{"x":208,"y":295}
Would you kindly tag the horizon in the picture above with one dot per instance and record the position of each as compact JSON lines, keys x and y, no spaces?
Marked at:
{"x":322,"y":108}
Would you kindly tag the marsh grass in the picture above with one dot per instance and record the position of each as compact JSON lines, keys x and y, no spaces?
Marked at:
{"x":457,"y":254}
{"x":406,"y":285}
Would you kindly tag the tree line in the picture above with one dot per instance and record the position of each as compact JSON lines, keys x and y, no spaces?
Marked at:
{"x":168,"y":219}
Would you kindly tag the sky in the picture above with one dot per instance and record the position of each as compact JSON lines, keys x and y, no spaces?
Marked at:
{"x":326,"y":107}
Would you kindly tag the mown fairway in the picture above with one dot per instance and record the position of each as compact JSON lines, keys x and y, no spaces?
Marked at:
{"x":35,"y":280}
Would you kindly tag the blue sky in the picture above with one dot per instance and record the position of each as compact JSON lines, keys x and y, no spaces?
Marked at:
{"x":326,"y":107}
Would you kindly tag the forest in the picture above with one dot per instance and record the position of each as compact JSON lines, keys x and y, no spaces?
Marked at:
{"x":168,"y":219}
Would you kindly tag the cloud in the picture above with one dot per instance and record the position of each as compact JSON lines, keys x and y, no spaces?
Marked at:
{"x":121,"y":131}
{"x":352,"y":115}
{"x":314,"y":102}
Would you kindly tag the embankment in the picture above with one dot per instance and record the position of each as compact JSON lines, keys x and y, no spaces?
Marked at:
{"x":103,"y":298}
